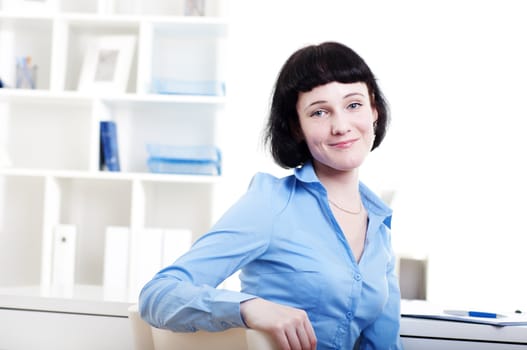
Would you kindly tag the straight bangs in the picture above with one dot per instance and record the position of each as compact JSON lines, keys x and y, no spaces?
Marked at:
{"x":324,"y":65}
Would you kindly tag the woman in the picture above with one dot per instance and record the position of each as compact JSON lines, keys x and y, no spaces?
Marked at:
{"x":314,"y":248}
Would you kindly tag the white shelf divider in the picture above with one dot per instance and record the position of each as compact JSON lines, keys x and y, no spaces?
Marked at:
{"x":59,"y":49}
{"x":144,"y":59}
{"x":51,"y":218}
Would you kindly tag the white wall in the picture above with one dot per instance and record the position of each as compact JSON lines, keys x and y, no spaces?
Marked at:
{"x":455,"y":73}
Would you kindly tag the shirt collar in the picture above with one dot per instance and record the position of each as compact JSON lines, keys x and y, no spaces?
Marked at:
{"x":306,"y":173}
{"x":373,"y":203}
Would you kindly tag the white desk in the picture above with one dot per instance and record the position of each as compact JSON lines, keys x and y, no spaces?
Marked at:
{"x":427,"y":334}
{"x":28,"y":323}
{"x":31,"y":322}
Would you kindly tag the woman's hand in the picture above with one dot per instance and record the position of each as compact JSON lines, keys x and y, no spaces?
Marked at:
{"x":289,"y":327}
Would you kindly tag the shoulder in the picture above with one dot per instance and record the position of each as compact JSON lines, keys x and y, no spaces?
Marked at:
{"x":264,"y":199}
{"x":266,"y":181}
{"x":270,"y":191}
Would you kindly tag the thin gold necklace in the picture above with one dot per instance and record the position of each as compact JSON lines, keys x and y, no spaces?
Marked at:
{"x":346,"y":210}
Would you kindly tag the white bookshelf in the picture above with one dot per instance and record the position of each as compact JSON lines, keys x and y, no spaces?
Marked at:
{"x":51,"y":137}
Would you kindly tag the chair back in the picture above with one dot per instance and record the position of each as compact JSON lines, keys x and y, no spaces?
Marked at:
{"x":151,"y":338}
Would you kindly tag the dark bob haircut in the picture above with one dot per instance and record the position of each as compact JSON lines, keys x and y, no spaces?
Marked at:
{"x":306,"y":69}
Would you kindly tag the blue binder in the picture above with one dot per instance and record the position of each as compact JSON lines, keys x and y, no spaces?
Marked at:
{"x":109,"y":146}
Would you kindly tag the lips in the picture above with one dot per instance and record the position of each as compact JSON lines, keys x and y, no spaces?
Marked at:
{"x":343,"y":144}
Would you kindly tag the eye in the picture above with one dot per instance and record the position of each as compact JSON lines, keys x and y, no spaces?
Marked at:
{"x":354,"y":105}
{"x":319,"y":113}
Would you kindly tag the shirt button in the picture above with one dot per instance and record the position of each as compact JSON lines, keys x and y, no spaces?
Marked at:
{"x":348,"y":314}
{"x":358,"y":277}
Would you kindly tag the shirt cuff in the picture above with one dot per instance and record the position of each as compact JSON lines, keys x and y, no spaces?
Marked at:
{"x":226,"y":310}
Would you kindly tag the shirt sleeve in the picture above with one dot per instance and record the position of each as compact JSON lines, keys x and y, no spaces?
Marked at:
{"x":383,"y":333}
{"x":183,"y":296}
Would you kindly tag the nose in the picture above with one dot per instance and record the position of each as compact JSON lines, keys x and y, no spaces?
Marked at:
{"x":340,"y":124}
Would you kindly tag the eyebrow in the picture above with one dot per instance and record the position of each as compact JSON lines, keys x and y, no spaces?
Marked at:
{"x":325,"y":101}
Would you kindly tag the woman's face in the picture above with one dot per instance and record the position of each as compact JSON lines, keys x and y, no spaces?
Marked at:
{"x":336,"y":122}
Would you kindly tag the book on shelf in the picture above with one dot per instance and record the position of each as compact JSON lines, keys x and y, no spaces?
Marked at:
{"x":109,"y":146}
{"x":116,"y":260}
{"x":151,"y":250}
{"x":145,"y":259}
{"x":63,"y":260}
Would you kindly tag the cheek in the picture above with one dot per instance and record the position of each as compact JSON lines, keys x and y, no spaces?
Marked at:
{"x":365,"y":126}
{"x":368,"y":132}
{"x":312,"y":134}
{"x":314,"y":138}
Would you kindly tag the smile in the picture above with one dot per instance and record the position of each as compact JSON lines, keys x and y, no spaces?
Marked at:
{"x":343,"y":144}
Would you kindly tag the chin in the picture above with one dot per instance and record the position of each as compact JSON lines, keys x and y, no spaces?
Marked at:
{"x":349,"y":164}
{"x":344,"y":167}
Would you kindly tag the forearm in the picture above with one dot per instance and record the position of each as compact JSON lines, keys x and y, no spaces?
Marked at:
{"x":183,"y":307}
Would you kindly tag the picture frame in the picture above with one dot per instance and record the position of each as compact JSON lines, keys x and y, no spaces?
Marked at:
{"x":107,"y":64}
{"x":194,"y":8}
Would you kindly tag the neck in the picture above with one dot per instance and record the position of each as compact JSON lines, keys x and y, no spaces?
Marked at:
{"x":339,"y":184}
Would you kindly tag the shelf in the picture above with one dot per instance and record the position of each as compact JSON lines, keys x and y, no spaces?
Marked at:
{"x":162,"y":98}
{"x":78,"y":18}
{"x":75,"y":97}
{"x":50,"y":174}
{"x":6,"y":16}
{"x":68,"y":118}
{"x":113,"y":8}
{"x":44,"y":96}
{"x":102,"y":175}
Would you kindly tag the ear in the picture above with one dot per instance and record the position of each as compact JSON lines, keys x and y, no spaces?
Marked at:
{"x":374,"y":108}
{"x":375,"y":114}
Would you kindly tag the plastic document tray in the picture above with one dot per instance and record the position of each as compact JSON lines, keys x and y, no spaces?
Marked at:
{"x":183,"y":167}
{"x":170,"y":159}
{"x":184,"y":153}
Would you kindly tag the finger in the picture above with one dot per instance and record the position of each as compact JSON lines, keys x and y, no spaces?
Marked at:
{"x":292,"y":338}
{"x":281,"y":341}
{"x":307,"y":336}
{"x":303,"y":338}
{"x":311,"y":336}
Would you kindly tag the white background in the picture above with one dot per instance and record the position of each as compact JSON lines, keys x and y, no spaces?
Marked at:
{"x":454,"y":73}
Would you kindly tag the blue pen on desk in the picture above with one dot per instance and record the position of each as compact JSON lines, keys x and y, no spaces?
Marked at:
{"x":469,"y":313}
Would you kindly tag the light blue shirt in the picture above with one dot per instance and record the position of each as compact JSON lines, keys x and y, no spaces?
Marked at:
{"x":291,"y":250}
